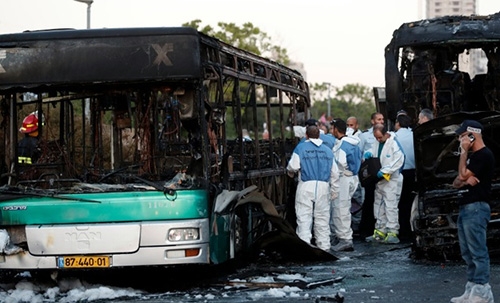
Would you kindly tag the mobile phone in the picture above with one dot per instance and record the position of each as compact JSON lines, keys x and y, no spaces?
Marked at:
{"x":471,"y":137}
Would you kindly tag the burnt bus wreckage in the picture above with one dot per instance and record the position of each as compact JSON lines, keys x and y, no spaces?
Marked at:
{"x":428,"y":64}
{"x":143,"y":159}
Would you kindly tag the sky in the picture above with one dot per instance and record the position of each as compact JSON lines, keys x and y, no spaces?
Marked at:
{"x":338,"y":41}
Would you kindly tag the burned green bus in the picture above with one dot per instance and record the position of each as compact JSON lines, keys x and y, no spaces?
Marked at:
{"x":155,"y":147}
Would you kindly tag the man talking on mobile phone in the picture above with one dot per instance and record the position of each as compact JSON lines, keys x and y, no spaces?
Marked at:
{"x":475,"y":171}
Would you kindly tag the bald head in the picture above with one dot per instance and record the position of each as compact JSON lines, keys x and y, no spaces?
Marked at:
{"x":352,"y":122}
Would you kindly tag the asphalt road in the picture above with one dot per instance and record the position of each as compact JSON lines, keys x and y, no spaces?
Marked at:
{"x":371,"y":273}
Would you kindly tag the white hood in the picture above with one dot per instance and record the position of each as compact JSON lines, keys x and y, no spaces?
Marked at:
{"x":316,"y":142}
{"x":352,"y":140}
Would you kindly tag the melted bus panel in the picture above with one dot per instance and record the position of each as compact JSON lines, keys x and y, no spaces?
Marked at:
{"x":140,"y":155}
{"x":428,"y":64}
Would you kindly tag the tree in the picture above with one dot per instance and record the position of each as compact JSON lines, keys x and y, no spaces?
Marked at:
{"x":356,"y":93}
{"x":350,"y":100}
{"x":247,"y":37}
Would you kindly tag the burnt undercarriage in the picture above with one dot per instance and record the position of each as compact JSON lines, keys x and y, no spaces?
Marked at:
{"x":435,"y":225}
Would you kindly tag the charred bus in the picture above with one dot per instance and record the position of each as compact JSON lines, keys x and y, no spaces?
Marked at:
{"x":142,"y":158}
{"x":450,"y":65}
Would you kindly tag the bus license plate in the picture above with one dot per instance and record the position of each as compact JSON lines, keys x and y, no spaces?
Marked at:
{"x":83,"y":262}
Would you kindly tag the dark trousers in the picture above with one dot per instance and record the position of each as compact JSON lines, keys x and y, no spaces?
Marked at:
{"x":405,"y":203}
{"x":367,"y":222}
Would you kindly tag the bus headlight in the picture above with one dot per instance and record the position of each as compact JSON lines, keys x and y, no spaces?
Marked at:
{"x":183,"y":234}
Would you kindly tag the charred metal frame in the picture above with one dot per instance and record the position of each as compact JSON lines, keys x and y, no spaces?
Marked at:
{"x":429,"y":49}
{"x":155,"y":83}
{"x":422,"y":70}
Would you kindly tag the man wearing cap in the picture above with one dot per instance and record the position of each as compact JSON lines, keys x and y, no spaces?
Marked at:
{"x":318,"y":183}
{"x":401,"y":113}
{"x":348,"y":157}
{"x":475,"y":172}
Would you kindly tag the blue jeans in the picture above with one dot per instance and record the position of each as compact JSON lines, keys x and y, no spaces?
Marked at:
{"x":472,"y":222}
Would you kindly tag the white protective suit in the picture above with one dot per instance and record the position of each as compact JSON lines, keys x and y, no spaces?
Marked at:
{"x":318,"y":183}
{"x":348,"y":157}
{"x":385,"y":207}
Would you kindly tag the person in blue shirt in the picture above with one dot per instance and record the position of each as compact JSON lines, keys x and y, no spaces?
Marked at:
{"x":318,"y":184}
{"x":404,"y":135}
{"x":366,"y":137}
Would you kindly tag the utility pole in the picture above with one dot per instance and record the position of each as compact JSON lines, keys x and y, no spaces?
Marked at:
{"x":87,"y":100}
{"x":89,"y":3}
{"x":328,"y":98}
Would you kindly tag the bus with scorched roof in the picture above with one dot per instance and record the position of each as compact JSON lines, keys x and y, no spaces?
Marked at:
{"x":127,"y":147}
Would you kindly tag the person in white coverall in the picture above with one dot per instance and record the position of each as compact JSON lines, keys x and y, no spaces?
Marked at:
{"x":348,"y":156}
{"x":318,"y":183}
{"x":359,"y":195}
{"x":385,"y":207}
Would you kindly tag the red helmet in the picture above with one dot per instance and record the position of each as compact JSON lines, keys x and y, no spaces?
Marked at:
{"x":30,"y":124}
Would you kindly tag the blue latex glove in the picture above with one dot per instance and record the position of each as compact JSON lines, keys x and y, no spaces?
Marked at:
{"x":368,"y":155}
{"x":380,"y":174}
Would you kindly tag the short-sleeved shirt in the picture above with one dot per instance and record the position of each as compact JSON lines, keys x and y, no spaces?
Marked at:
{"x":481,"y":163}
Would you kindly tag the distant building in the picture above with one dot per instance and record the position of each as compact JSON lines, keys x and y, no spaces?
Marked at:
{"x":440,"y":8}
{"x":475,"y":62}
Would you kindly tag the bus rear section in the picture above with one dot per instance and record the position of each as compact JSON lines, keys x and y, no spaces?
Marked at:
{"x":140,"y":157}
{"x":450,"y":67}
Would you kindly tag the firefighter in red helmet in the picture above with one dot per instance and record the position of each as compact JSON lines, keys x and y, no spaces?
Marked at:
{"x":27,"y":150}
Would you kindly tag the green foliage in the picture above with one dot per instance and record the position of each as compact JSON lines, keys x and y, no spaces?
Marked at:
{"x":247,"y":37}
{"x":350,"y":100}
